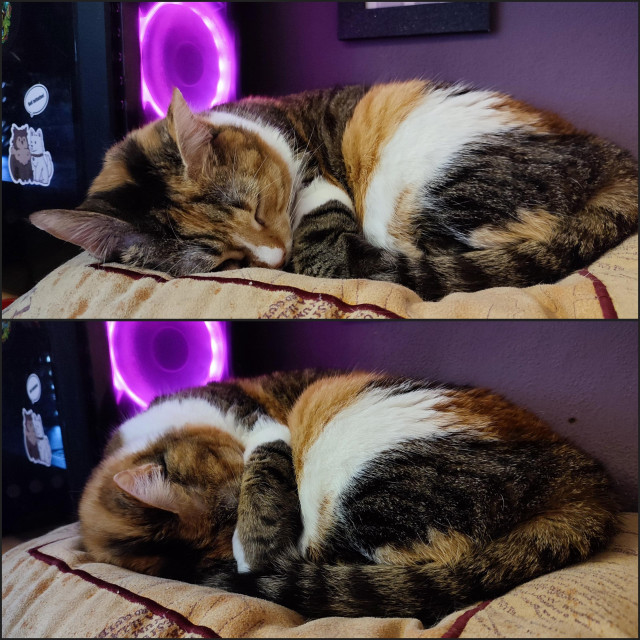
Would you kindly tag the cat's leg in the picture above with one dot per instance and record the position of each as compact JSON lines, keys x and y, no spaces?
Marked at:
{"x":269,"y":522}
{"x":328,"y":243}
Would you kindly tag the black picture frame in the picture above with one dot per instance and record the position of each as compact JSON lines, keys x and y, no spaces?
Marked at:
{"x":356,"y":21}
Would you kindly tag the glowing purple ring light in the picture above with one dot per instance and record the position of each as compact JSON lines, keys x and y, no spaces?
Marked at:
{"x":155,"y":91}
{"x":129,"y":381}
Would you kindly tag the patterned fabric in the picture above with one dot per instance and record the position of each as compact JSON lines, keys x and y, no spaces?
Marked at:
{"x":52,"y":588}
{"x":83,"y":288}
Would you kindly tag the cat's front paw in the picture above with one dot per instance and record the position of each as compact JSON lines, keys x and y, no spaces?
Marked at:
{"x":265,"y":430}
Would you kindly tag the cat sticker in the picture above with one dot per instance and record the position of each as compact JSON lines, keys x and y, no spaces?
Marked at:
{"x":36,"y":443}
{"x":41,"y":162}
{"x":29,"y":161}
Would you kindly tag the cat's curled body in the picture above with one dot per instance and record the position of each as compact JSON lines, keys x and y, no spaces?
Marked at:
{"x":435,"y":186}
{"x":349,"y":494}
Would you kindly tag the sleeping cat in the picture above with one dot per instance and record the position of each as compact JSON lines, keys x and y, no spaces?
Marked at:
{"x":435,"y":186}
{"x":345,"y":494}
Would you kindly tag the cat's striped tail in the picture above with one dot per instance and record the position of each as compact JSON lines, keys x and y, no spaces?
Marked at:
{"x":431,"y":590}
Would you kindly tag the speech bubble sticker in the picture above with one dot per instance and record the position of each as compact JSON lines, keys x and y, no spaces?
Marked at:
{"x":34,"y":388}
{"x":36,"y":99}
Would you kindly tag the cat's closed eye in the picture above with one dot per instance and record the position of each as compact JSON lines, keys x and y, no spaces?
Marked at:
{"x":255,"y":209}
{"x":242,"y":205}
{"x":231,"y":263}
{"x":259,"y":213}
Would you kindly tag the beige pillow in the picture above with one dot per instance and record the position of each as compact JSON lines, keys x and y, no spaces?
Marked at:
{"x":52,"y":588}
{"x":84,"y":288}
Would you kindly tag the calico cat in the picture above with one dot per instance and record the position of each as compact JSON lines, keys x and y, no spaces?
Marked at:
{"x":345,"y":494}
{"x":439,"y":187}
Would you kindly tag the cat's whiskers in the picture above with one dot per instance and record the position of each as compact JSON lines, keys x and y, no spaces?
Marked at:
{"x":265,"y":187}
{"x":302,"y":159}
{"x":234,"y":187}
{"x":255,"y":175}
{"x":172,"y":227}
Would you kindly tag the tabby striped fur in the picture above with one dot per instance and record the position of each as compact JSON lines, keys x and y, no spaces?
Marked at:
{"x":345,"y":494}
{"x":438,"y":187}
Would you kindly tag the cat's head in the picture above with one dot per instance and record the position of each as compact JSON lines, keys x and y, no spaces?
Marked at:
{"x":167,"y":510}
{"x":182,"y":195}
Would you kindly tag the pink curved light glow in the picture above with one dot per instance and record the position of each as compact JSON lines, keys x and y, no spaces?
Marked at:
{"x":176,"y":28}
{"x":141,"y":363}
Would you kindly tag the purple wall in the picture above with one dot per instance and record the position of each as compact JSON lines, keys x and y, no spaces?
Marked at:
{"x":579,"y":59}
{"x":581,"y":377}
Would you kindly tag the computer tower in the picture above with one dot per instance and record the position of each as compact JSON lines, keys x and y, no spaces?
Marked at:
{"x":63,"y":69}
{"x":58,"y":408}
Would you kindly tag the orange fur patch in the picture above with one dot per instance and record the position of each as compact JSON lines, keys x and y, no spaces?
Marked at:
{"x":493,"y":416}
{"x":114,"y":174}
{"x":148,"y":138}
{"x":318,"y":405}
{"x":325,"y":521}
{"x":374,"y":120}
{"x":253,"y":387}
{"x":407,"y":206}
{"x":620,"y":196}
{"x":523,"y":113}
{"x":568,"y":525}
{"x":537,"y":225}
{"x":442,"y":548}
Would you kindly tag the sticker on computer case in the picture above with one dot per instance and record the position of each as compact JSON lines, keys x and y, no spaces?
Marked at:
{"x":36,"y":443}
{"x":36,"y":99}
{"x":34,"y":388}
{"x":29,"y":161}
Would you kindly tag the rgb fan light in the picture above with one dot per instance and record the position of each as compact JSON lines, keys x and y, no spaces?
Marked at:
{"x":186,"y":45}
{"x":149,"y":359}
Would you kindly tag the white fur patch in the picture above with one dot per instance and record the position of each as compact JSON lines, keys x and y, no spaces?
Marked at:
{"x":422,"y":147}
{"x":314,"y":195}
{"x":269,"y":134}
{"x":265,"y":430}
{"x":273,"y":256}
{"x":146,"y":427}
{"x":375,"y":423}
{"x":238,"y":553}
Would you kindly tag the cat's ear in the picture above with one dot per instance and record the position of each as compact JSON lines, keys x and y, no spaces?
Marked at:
{"x":99,"y":234}
{"x":147,"y":484}
{"x":191,"y":134}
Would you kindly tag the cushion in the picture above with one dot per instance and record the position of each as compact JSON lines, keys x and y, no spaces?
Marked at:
{"x":52,"y":588}
{"x":85,"y":288}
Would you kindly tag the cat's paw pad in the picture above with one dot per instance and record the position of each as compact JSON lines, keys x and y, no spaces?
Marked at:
{"x":238,"y":553}
{"x":265,"y":430}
